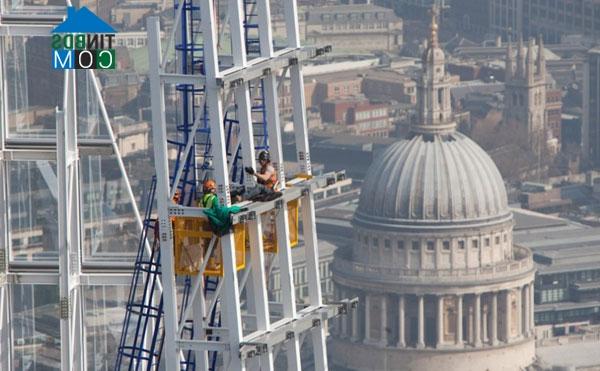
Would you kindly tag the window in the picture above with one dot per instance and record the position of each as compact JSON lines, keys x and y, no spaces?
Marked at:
{"x":497,"y":240}
{"x":486,"y":242}
{"x":386,"y":243}
{"x":375,"y":242}
{"x":505,"y":237}
{"x":430,"y":245}
{"x":475,"y":243}
{"x":400,"y":245}
{"x":461,"y":244}
{"x":446,"y":245}
{"x":415,"y":245}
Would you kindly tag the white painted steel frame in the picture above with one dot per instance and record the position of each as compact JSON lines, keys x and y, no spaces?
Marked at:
{"x":69,"y":231}
{"x":238,"y":78}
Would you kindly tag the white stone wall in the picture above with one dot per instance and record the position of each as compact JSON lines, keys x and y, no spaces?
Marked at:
{"x":388,"y":249}
{"x":511,"y":357}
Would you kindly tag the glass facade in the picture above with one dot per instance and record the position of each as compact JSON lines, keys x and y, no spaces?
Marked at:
{"x":103,"y":252}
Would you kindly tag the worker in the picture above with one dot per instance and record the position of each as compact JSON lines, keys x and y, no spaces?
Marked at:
{"x":267,"y":185}
{"x":209,"y":189}
{"x":219,"y":216}
{"x":267,"y":176}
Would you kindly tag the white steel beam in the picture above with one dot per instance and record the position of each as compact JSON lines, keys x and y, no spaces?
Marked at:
{"x":49,"y":176}
{"x":257,"y":288}
{"x":5,"y":328}
{"x":308,"y":204}
{"x":69,"y":227}
{"x":230,"y":305}
{"x":170,"y":349}
{"x":274,"y":130}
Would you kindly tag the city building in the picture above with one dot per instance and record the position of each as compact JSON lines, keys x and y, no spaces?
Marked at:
{"x":412,"y":8}
{"x":333,"y":86}
{"x":128,"y":15}
{"x":553,"y":19}
{"x":133,"y":39}
{"x":344,"y":151}
{"x":568,"y":271}
{"x":132,"y":136}
{"x":591,"y":110}
{"x":354,"y":28}
{"x":471,"y":16}
{"x":120,"y":88}
{"x":440,"y":283}
{"x":554,"y":112}
{"x":525,"y":93}
{"x":389,"y":84}
{"x":357,"y":115}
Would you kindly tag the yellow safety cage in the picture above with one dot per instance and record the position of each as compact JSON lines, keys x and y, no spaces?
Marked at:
{"x":192,"y":236}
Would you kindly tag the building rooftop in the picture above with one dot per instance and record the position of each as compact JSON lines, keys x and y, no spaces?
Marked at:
{"x":340,"y":75}
{"x":388,"y":75}
{"x":314,"y":13}
{"x":581,"y":355}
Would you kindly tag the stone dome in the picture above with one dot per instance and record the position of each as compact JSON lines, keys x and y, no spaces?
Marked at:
{"x":432,"y":179}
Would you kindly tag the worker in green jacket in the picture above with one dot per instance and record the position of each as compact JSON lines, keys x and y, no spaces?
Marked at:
{"x":209,"y":188}
{"x":218,"y":216}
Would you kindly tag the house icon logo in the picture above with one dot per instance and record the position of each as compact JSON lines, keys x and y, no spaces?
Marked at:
{"x":83,"y":41}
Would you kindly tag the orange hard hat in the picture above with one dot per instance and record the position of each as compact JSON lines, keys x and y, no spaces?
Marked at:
{"x":209,"y":185}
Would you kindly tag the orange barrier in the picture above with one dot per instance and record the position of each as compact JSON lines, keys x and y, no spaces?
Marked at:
{"x":270,"y":228}
{"x":192,"y":237}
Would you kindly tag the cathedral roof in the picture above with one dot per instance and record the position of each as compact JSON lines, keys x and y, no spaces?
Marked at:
{"x":432,"y":179}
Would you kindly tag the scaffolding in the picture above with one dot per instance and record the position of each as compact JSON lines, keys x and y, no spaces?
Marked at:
{"x":200,"y":301}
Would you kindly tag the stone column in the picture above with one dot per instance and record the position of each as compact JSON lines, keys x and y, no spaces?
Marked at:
{"x":531,"y":310}
{"x":440,"y":321}
{"x":401,"y":328}
{"x":519,"y":313}
{"x":507,"y":308}
{"x":526,"y":315}
{"x":355,"y":335}
{"x":477,"y":321}
{"x":383,"y":339}
{"x":344,"y":319}
{"x":484,"y":323}
{"x":367,"y":338}
{"x":469,"y":322}
{"x":494,"y":334}
{"x":459,"y":320}
{"x":421,"y":321}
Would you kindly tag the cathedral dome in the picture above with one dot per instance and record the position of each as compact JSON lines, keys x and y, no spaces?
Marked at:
{"x":432,"y":179}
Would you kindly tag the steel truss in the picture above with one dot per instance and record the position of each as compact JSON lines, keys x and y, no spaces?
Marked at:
{"x":204,"y":327}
